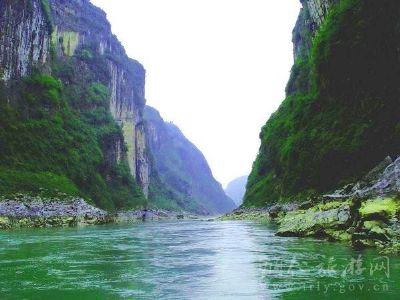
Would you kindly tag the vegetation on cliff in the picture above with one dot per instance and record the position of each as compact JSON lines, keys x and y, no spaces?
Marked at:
{"x":49,"y":140}
{"x":340,"y":117}
{"x":71,"y":109}
{"x":57,"y":132}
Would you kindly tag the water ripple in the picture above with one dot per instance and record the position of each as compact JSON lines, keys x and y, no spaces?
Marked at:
{"x":179,"y":260}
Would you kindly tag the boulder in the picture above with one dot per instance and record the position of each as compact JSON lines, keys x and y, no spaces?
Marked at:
{"x":319,"y":220}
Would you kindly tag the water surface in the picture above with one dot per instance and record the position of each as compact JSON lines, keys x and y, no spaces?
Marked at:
{"x":188,"y":260}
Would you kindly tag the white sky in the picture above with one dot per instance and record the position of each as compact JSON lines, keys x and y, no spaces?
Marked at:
{"x":215,"y":68}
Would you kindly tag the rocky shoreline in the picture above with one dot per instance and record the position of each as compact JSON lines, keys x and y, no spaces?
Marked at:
{"x":359,"y":223}
{"x":365,"y":214}
{"x":26,"y":211}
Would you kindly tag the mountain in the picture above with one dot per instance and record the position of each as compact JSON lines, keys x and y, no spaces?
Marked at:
{"x":340,"y":117}
{"x":71,"y":110}
{"x":236,"y":190}
{"x":180,"y":177}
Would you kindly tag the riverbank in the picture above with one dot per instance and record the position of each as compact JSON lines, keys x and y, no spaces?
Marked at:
{"x":361,"y":223}
{"x":38,"y":212}
{"x":364,"y":214}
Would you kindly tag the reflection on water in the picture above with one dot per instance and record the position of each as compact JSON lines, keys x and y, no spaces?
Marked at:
{"x":188,"y":260}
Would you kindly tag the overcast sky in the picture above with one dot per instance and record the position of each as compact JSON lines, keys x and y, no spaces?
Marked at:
{"x":215,"y":68}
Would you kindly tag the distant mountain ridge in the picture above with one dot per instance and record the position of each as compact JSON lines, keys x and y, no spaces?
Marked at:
{"x":181,"y":177}
{"x":236,"y":189}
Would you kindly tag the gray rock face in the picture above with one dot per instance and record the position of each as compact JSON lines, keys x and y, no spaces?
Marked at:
{"x":142,"y":160}
{"x":28,"y":33}
{"x":310,"y":19}
{"x":80,"y":25}
{"x":38,"y":212}
{"x":24,"y":38}
{"x":38,"y":208}
{"x":318,"y":9}
{"x":382,"y":180}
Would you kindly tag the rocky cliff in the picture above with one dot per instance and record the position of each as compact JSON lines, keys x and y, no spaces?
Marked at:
{"x":340,"y":115}
{"x":71,"y":105}
{"x":181,"y":177}
{"x":24,"y":38}
{"x":72,"y":41}
{"x":79,"y":28}
{"x":311,"y":17}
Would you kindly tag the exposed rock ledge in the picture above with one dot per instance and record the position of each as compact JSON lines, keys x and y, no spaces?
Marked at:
{"x":365,"y":214}
{"x":360,"y":223}
{"x":42,"y":212}
{"x":28,"y":211}
{"x":151,"y":215}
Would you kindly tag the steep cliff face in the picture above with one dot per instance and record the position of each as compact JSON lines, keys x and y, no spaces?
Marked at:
{"x":80,"y":29}
{"x":24,"y":38}
{"x":339,"y":117}
{"x":318,"y":10}
{"x":311,"y":17}
{"x":181,"y":177}
{"x":90,"y":82}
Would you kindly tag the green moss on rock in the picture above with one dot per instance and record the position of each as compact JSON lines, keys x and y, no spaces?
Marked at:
{"x":70,"y":41}
{"x":316,"y":220}
{"x":5,"y":223}
{"x":250,"y":216}
{"x":338,"y":235}
{"x":387,"y":207}
{"x":377,"y":227}
{"x":331,"y":205}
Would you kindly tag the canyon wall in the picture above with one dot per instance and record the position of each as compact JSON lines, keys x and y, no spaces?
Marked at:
{"x":33,"y":29}
{"x":339,"y":117}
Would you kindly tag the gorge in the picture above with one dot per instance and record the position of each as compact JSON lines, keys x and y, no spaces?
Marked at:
{"x":72,"y":114}
{"x":86,"y":165}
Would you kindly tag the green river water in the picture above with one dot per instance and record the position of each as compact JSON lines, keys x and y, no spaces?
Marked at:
{"x":188,"y":260}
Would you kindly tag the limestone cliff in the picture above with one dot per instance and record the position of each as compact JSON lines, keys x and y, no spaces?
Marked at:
{"x":24,"y":38}
{"x":79,"y":26}
{"x":181,"y":177}
{"x":79,"y":36}
{"x":311,"y":17}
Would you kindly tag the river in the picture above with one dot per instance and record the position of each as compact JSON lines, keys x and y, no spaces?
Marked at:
{"x":188,"y":260}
